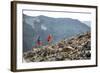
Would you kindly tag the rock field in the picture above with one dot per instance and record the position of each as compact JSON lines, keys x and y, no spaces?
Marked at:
{"x":74,"y":48}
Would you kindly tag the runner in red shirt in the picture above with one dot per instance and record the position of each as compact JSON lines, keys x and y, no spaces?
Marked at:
{"x":49,"y":38}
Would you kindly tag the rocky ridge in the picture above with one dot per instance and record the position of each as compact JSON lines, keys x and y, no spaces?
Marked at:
{"x":74,"y":48}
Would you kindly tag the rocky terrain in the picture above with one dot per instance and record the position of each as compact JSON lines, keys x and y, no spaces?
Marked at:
{"x":74,"y":48}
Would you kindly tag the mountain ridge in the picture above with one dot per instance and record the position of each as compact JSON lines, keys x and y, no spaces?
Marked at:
{"x":59,"y":27}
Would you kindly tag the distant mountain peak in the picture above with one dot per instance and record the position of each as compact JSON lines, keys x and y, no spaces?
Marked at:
{"x":43,"y":16}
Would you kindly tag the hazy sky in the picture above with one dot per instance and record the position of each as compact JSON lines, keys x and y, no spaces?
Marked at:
{"x":75,"y":15}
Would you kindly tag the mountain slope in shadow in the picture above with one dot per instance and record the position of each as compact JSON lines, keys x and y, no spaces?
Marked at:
{"x":60,"y":28}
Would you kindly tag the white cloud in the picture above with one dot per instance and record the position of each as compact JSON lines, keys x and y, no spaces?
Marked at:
{"x":43,"y":27}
